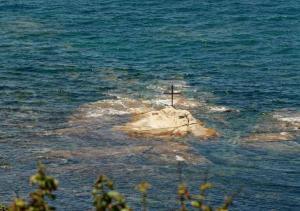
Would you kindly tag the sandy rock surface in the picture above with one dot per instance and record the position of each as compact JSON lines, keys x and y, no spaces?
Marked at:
{"x":167,"y":122}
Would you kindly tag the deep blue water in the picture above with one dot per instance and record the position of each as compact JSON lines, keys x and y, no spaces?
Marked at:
{"x":59,"y":55}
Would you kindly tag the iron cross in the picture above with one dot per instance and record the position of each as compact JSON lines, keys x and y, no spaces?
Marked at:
{"x":172,"y":93}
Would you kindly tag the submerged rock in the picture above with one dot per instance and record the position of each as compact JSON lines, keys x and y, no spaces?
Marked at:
{"x":90,"y":152}
{"x":291,"y":118}
{"x":156,"y":151}
{"x":269,"y":137}
{"x":150,"y":117}
{"x":167,"y":122}
{"x":282,"y":125}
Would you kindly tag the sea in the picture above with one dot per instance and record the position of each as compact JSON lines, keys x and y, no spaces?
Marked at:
{"x":70,"y":71}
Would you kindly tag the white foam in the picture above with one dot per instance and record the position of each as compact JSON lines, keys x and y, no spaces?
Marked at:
{"x":283,"y":133}
{"x":164,"y":86}
{"x":100,"y":113}
{"x":179,"y":102}
{"x":156,"y":87}
{"x":220,"y":109}
{"x":161,"y":102}
{"x":292,"y":119}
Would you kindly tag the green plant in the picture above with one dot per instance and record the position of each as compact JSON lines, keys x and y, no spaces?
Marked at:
{"x":3,"y":207}
{"x":37,"y":199}
{"x":143,"y":188}
{"x":106,"y":198}
{"x":228,"y":201}
{"x":197,"y":201}
{"x":184,"y":196}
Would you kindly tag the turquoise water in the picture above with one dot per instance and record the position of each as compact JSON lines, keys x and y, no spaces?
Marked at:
{"x":59,"y":55}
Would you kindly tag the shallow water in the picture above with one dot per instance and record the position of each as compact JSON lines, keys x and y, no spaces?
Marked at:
{"x":57,"y":56}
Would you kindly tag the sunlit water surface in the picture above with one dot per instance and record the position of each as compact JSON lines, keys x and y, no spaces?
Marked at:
{"x":60,"y":56}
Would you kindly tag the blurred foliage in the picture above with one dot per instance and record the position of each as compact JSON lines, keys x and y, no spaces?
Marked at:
{"x":198,"y":201}
{"x":184,"y":196}
{"x":143,"y":188}
{"x":106,"y":198}
{"x":3,"y":207}
{"x":37,"y":199}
